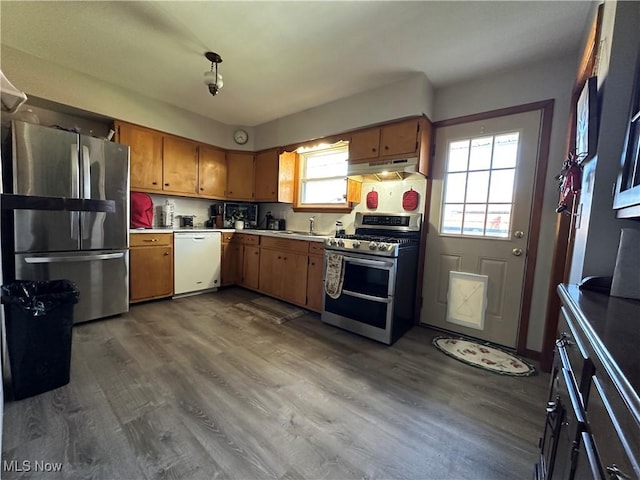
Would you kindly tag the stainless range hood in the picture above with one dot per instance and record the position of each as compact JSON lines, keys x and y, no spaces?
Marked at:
{"x":381,"y":170}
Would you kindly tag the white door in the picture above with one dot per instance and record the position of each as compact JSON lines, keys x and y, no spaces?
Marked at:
{"x":483,"y":176}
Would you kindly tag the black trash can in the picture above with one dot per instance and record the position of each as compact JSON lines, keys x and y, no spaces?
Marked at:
{"x":39,"y":321}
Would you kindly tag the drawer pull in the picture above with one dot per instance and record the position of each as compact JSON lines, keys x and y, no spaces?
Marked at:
{"x":150,"y":240}
{"x":615,"y":473}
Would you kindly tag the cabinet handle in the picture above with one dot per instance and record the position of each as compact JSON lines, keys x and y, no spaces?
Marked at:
{"x":154,"y":183}
{"x":373,"y":150}
{"x":166,"y":254}
{"x":150,"y":240}
{"x":166,"y":184}
{"x":386,"y":147}
{"x":615,"y":473}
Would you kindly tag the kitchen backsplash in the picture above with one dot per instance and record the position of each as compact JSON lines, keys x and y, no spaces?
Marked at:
{"x":389,"y":201}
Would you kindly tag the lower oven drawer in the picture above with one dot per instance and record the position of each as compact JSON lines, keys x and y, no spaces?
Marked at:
{"x":366,"y":311}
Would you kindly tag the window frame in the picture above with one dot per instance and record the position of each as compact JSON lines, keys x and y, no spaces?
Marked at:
{"x":302,"y":154}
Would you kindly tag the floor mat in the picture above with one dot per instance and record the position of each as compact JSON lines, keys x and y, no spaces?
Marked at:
{"x":271,"y":309}
{"x":484,"y":356}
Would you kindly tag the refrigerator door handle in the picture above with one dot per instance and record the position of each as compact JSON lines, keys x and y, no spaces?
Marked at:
{"x":86,"y":172}
{"x":75,"y":190}
{"x":74,"y":258}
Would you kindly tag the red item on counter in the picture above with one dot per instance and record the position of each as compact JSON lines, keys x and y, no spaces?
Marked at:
{"x":141,"y":210}
{"x":410,"y":199}
{"x":372,"y":199}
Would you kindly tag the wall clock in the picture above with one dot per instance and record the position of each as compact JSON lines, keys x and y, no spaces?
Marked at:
{"x":240,"y":136}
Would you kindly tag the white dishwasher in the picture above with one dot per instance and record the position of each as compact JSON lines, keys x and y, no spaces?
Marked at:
{"x":196,"y":264}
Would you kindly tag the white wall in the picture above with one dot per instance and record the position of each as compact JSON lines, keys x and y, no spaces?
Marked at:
{"x":41,"y":78}
{"x":413,"y":96}
{"x":552,"y":79}
{"x":598,"y":235}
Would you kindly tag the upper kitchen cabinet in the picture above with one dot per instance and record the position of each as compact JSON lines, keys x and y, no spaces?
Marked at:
{"x":392,"y":140}
{"x":145,"y":155}
{"x":274,"y":176}
{"x":212,"y":172}
{"x":627,"y":196}
{"x":240,"y":166}
{"x":180,"y":165}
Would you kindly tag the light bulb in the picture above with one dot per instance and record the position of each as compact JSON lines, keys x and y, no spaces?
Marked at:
{"x":220,"y":83}
{"x":209,"y":78}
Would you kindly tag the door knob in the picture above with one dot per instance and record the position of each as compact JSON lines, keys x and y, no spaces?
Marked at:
{"x":517,"y":252}
{"x":518,"y":234}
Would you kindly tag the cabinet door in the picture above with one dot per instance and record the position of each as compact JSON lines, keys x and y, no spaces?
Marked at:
{"x":212,"y":172}
{"x":251,"y":267}
{"x":180,"y":167}
{"x":266,"y":176}
{"x":399,"y":138}
{"x":240,"y":176}
{"x":145,"y":155}
{"x":315,"y":285}
{"x":270,"y":271}
{"x":231,"y":268}
{"x":364,"y":145}
{"x":293,"y":283}
{"x":151,"y":272}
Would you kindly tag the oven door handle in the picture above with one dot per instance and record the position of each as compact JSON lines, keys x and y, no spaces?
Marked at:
{"x":367,"y":297}
{"x":369,"y":263}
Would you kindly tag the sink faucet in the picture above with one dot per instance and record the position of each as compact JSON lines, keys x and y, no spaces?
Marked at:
{"x":311,"y":222}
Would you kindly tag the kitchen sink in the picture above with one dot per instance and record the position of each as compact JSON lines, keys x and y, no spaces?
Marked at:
{"x":293,"y":232}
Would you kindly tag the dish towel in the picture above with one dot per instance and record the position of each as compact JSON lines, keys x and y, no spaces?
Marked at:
{"x":334,"y":275}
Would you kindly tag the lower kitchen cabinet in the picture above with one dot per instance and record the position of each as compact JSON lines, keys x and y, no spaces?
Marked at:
{"x":231,"y":268}
{"x":592,"y":428}
{"x":315,"y":283}
{"x":241,"y":260}
{"x":283,"y":269}
{"x":251,"y":266}
{"x":150,"y":266}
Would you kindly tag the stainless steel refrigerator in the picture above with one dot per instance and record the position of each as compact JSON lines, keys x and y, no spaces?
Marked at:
{"x":87,"y":247}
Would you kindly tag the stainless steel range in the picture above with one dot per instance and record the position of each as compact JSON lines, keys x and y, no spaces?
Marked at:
{"x":370,"y":277}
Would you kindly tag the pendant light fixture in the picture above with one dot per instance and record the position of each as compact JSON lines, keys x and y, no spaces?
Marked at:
{"x":212,"y":78}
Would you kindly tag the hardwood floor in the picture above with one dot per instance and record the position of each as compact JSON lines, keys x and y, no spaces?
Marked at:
{"x":197,"y":388}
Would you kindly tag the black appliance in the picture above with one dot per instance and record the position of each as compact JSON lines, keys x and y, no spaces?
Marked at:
{"x":379,"y":268}
{"x":240,"y":211}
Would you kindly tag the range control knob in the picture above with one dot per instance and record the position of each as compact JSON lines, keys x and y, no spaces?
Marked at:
{"x":373,"y":245}
{"x":341,"y":243}
{"x":355,"y":244}
{"x":382,"y":246}
{"x":331,"y":241}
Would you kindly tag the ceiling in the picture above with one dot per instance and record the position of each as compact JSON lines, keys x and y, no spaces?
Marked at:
{"x":281,"y":58}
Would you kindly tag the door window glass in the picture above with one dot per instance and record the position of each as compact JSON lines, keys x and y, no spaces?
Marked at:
{"x":479,"y":186}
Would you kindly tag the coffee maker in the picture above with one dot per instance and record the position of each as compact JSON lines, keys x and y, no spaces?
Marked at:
{"x":215,"y":216}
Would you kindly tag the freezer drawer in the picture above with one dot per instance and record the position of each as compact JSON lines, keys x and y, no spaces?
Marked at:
{"x":102,"y":277}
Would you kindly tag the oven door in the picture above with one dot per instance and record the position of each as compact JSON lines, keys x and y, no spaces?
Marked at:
{"x":365,"y":305}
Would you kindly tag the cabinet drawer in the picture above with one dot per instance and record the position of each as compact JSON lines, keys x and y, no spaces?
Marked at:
{"x":298,"y":246}
{"x":247,"y":239}
{"x":316,"y":248}
{"x":150,"y":239}
{"x":227,"y":237}
{"x":615,"y":436}
{"x":574,"y":354}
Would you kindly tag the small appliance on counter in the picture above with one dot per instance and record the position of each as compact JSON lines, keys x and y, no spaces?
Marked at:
{"x":271,"y":222}
{"x":186,"y":221}
{"x":246,"y":211}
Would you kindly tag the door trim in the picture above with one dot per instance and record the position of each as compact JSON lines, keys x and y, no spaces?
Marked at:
{"x":546,"y":108}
